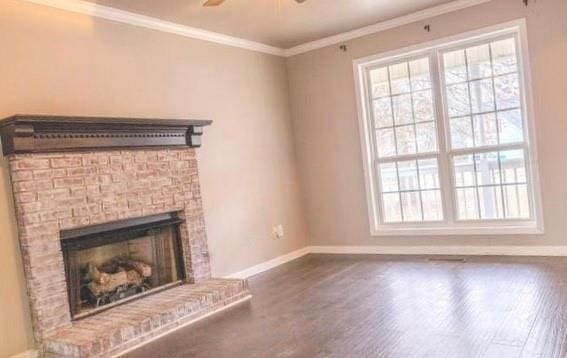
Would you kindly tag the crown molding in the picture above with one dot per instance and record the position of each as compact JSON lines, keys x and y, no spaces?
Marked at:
{"x":126,"y":17}
{"x":384,"y":25}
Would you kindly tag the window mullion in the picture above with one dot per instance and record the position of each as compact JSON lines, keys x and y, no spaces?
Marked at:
{"x":529,"y":149}
{"x":416,"y":144}
{"x":377,"y":197}
{"x":469,"y":88}
{"x":487,"y":149}
{"x":378,"y":189}
{"x":445,"y":178}
{"x":400,"y":158}
{"x":395,"y":144}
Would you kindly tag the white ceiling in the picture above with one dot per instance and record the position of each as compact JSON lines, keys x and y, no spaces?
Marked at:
{"x":279,"y":23}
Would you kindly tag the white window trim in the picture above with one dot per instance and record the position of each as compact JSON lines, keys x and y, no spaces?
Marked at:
{"x":449,"y":226}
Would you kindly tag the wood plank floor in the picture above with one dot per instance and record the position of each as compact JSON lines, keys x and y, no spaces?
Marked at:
{"x":388,"y":306}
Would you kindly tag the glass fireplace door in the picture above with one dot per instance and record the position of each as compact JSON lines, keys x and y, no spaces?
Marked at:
{"x":114,"y":266}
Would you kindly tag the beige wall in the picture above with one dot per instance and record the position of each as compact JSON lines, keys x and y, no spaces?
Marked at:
{"x":327,"y":134}
{"x":62,"y":63}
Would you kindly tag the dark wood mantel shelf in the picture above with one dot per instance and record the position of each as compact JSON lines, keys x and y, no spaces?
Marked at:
{"x":41,"y":134}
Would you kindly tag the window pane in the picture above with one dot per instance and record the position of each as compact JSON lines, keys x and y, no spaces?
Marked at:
{"x":419,"y":72}
{"x":479,"y":62}
{"x":393,"y":113}
{"x":407,"y":172}
{"x":402,"y":109}
{"x":383,"y":112}
{"x":399,"y":78}
{"x":467,"y":204}
{"x":411,"y":206}
{"x":405,"y":137}
{"x":389,"y":177}
{"x":510,"y":126}
{"x":428,"y":173}
{"x":426,"y":137}
{"x":461,"y":133}
{"x":379,"y":81}
{"x":464,"y":170}
{"x":504,"y":56}
{"x":485,"y":129}
{"x":516,"y":202}
{"x":386,"y":142}
{"x":432,"y":207}
{"x":487,"y":168}
{"x":482,"y":96}
{"x":458,"y":100}
{"x":405,"y":184}
{"x":455,"y":67}
{"x":423,"y":106}
{"x":513,"y":166}
{"x":483,"y":180}
{"x":491,"y":202}
{"x":507,"y":91}
{"x":391,"y":207}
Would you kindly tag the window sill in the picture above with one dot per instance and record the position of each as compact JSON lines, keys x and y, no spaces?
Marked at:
{"x":525,"y":228}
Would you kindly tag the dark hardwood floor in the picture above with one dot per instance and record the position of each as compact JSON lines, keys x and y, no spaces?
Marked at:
{"x":388,"y":306}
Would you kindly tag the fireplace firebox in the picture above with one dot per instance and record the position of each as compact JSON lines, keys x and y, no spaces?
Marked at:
{"x":110,"y":264}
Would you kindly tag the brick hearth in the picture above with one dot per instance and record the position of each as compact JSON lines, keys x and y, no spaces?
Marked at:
{"x":120,"y":328}
{"x":54,"y":192}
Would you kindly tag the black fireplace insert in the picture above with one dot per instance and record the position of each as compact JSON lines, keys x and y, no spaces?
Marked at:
{"x":113,"y":263}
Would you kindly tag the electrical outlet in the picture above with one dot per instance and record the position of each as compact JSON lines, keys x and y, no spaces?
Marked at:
{"x":278,"y":232}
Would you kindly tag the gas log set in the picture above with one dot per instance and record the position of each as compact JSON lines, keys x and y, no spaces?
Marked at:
{"x":114,"y":280}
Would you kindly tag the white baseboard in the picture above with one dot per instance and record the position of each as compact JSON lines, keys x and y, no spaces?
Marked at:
{"x":443,"y":250}
{"x":32,"y":353}
{"x":404,"y":250}
{"x":270,"y":264}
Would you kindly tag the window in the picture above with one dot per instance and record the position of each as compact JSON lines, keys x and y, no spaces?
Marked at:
{"x":406,"y":141}
{"x":447,"y":140}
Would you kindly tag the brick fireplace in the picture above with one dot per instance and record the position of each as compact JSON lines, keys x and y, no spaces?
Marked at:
{"x":79,"y":173}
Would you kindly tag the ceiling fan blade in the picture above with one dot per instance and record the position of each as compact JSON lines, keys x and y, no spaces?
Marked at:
{"x":213,"y":2}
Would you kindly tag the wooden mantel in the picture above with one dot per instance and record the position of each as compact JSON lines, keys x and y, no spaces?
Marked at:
{"x":41,"y":134}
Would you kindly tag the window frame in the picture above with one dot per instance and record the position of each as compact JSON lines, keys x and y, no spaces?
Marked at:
{"x":450,"y":225}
